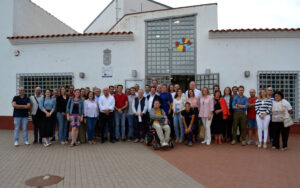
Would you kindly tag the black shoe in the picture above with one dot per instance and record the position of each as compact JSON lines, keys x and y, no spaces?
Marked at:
{"x":105,"y":138}
{"x":52,"y":139}
{"x":34,"y":142}
{"x":112,"y":141}
{"x":116,"y":140}
{"x":102,"y":141}
{"x":124,"y":140}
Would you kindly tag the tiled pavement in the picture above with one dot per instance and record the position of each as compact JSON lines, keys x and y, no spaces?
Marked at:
{"x":124,"y":165}
{"x":239,"y":166}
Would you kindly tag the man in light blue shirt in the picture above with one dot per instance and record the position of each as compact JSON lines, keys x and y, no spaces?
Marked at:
{"x":239,"y":105}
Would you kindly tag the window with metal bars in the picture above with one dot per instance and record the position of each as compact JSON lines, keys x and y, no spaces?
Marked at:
{"x":286,"y":82}
{"x":44,"y":80}
{"x":207,"y":80}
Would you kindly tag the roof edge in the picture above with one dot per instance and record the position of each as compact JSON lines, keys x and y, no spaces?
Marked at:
{"x":161,"y":4}
{"x":208,"y":4}
{"x":253,"y":30}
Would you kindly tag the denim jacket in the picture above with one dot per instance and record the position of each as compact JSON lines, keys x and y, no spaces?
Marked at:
{"x":70,"y":106}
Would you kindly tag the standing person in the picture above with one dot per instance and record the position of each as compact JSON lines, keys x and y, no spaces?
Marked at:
{"x":160,"y":123}
{"x":112,"y":90}
{"x":97,"y":94}
{"x":171,"y":89}
{"x":158,"y":90}
{"x":188,"y":117}
{"x":130,"y":114}
{"x":281,"y":111}
{"x":147,"y":91}
{"x":107,"y":105}
{"x":127,"y":91}
{"x":192,"y":86}
{"x":98,"y":124}
{"x":221,"y":113}
{"x":216,"y":88}
{"x":240,"y":105}
{"x":71,"y":91}
{"x":251,"y":117}
{"x":270,"y":96}
{"x":263,"y":108}
{"x":152,"y":97}
{"x":55,"y":94}
{"x":87,"y":90}
{"x":178,"y":106}
{"x":137,"y":87}
{"x":75,"y":111}
{"x":139,"y":108}
{"x":47,"y":105}
{"x":82,"y":128}
{"x":61,"y":104}
{"x":234,"y":91}
{"x":21,"y":105}
{"x":195,"y":106}
{"x":91,"y":114}
{"x":206,"y":113}
{"x":121,"y":104}
{"x":36,"y":115}
{"x":154,"y":83}
{"x":228,"y":122}
{"x":166,"y":104}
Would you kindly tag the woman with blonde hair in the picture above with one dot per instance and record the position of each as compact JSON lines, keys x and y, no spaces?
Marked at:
{"x":263,"y":108}
{"x":206,"y":113}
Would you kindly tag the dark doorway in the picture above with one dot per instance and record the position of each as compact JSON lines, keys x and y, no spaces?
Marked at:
{"x":182,"y":80}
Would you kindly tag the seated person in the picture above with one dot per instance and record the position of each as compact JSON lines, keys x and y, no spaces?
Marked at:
{"x":160,"y":123}
{"x":188,"y":117}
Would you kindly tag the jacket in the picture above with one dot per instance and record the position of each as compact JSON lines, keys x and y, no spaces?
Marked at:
{"x":161,"y":118}
{"x":224,"y":108}
{"x":70,"y":106}
{"x":156,"y":98}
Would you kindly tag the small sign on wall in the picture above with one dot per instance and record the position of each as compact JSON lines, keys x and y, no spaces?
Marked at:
{"x":107,"y":72}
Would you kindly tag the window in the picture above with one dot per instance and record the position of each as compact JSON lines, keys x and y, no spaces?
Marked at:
{"x":160,"y":80}
{"x":45,"y":81}
{"x":163,"y":56}
{"x":286,"y":82}
{"x":207,"y":80}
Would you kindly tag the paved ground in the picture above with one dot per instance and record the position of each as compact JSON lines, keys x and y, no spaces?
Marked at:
{"x":102,"y":165}
{"x":237,"y":166}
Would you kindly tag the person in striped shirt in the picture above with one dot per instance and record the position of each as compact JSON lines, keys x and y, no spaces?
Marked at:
{"x":263,"y":108}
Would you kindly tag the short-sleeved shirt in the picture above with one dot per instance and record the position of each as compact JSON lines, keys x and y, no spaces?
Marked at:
{"x":188,"y":116}
{"x":251,"y":114}
{"x":21,"y":101}
{"x":120,"y":100}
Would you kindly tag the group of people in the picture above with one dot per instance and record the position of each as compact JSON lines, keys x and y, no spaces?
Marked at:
{"x":185,"y":117}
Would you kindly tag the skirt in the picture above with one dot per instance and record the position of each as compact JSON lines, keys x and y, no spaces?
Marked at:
{"x":75,"y":120}
{"x":46,"y":126}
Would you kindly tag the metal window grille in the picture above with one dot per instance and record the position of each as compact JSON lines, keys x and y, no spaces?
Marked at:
{"x":284,"y":81}
{"x":207,"y":80}
{"x":162,"y":56}
{"x":44,"y":80}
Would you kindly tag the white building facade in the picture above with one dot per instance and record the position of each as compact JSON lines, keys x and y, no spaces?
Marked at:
{"x":172,"y":45}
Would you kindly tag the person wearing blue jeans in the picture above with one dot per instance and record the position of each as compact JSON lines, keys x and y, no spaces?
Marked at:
{"x":121,"y":104}
{"x":178,"y":106}
{"x":91,"y":112}
{"x":21,"y":105}
{"x":61,"y":104}
{"x":130,"y":114}
{"x":188,"y":117}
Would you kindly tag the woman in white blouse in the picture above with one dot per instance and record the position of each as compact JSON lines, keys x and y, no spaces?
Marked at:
{"x":91,"y":113}
{"x":178,"y":106}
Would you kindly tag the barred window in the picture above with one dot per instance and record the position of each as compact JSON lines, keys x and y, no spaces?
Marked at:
{"x":286,"y":82}
{"x":207,"y":80}
{"x":44,"y":80}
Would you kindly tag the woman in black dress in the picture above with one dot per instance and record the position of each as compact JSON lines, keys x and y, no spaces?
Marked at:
{"x":217,"y":126}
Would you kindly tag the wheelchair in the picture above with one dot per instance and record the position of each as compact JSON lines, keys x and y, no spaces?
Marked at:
{"x":152,"y":138}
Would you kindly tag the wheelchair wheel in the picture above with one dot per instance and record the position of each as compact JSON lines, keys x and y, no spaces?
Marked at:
{"x":171,"y":144}
{"x":154,"y":145}
{"x":148,"y":140}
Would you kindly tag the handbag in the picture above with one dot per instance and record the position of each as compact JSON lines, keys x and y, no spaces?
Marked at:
{"x":288,"y":121}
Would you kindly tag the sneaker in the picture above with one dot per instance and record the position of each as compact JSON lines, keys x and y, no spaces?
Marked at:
{"x":259,"y":145}
{"x":136,"y":140}
{"x":244,"y":143}
{"x":190,"y":144}
{"x":142,"y":140}
{"x":273,"y":147}
{"x":249,"y":142}
{"x":177,"y":140}
{"x":129,"y":140}
{"x":16,"y":144}
{"x":180,"y":140}
{"x":26,"y":143}
{"x":164,"y":144}
{"x":203,"y":142}
{"x":233,"y":142}
{"x":208,"y":143}
{"x":284,"y":148}
{"x":265,"y":146}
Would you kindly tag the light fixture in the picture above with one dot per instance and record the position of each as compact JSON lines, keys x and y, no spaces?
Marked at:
{"x":81,"y":75}
{"x":247,"y":74}
{"x":16,"y":52}
{"x":177,"y":22}
{"x":157,"y":36}
{"x":134,"y":73}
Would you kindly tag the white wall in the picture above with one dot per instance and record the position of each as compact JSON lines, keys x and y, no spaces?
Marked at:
{"x":30,"y":19}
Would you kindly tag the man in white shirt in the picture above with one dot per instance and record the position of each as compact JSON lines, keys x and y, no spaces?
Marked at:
{"x":147,"y":91}
{"x":36,"y":114}
{"x":139,"y":108}
{"x":106,"y":105}
{"x":192,"y":86}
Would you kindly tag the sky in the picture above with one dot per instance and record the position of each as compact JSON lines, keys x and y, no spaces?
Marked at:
{"x":232,"y":14}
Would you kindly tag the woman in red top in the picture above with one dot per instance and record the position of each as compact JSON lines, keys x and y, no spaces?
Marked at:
{"x":251,"y":117}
